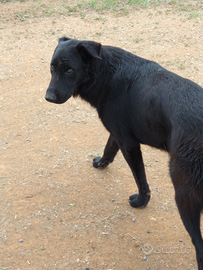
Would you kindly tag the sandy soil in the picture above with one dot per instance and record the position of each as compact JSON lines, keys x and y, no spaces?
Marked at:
{"x":51,"y":196}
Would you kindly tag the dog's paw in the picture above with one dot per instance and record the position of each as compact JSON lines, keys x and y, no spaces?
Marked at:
{"x":97,"y":163}
{"x":137,"y":200}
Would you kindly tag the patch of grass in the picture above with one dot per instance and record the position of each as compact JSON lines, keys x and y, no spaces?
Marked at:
{"x":137,"y":40}
{"x":50,"y":10}
{"x":109,"y":4}
{"x":21,"y":16}
{"x":184,"y":7}
{"x":141,"y":3}
{"x":194,"y":15}
{"x":192,"y":10}
{"x":92,"y":3}
{"x":100,"y":18}
{"x":72,"y":9}
{"x":82,"y":15}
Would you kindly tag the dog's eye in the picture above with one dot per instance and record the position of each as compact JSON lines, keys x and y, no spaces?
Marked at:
{"x":69,"y":70}
{"x":52,"y":68}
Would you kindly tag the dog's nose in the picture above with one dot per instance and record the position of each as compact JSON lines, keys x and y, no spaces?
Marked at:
{"x":51,"y":97}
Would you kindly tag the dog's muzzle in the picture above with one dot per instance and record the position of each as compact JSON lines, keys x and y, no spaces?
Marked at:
{"x":51,"y":97}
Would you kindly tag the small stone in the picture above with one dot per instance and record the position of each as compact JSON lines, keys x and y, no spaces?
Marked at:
{"x":112,"y":200}
{"x":181,"y":240}
{"x":133,"y":220}
{"x":144,"y":258}
{"x":148,"y":231}
{"x":21,"y":240}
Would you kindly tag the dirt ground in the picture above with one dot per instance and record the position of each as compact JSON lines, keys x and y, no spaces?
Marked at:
{"x":68,"y":214}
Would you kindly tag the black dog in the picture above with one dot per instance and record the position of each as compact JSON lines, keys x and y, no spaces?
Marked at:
{"x":139,"y":102}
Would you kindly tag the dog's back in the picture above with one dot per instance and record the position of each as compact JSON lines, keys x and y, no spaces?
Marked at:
{"x":158,"y":104}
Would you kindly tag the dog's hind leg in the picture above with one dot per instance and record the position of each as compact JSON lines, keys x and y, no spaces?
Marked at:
{"x":110,"y":152}
{"x":190,"y":204}
{"x":190,"y":213}
{"x":135,"y":161}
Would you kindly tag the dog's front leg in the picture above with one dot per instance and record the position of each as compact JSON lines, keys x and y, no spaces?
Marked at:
{"x":135,"y":161}
{"x":110,"y":151}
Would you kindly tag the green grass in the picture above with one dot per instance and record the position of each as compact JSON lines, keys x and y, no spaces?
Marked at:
{"x":194,"y":15}
{"x":191,"y":9}
{"x":21,"y":16}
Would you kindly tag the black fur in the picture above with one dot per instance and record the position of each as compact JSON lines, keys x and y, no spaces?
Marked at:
{"x":139,"y":102}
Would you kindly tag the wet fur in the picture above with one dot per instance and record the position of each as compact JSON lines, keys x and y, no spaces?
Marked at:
{"x":139,"y":102}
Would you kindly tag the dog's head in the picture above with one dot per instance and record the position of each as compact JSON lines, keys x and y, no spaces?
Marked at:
{"x":69,"y":67}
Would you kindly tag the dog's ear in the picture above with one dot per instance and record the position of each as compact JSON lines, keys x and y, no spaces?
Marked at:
{"x":89,"y":50}
{"x":63,"y":39}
